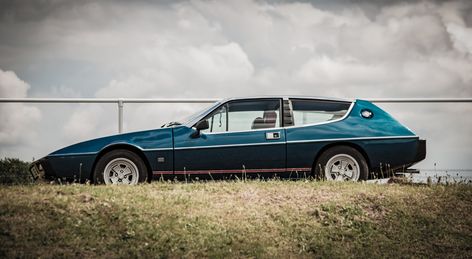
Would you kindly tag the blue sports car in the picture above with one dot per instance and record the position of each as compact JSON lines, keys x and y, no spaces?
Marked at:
{"x":287,"y":136}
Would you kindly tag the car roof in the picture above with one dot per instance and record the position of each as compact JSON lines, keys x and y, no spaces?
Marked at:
{"x":289,"y":97}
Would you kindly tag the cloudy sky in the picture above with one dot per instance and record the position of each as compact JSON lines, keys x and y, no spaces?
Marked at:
{"x":201,"y":49}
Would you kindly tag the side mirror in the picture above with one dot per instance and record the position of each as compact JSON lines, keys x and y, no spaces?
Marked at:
{"x":201,"y":125}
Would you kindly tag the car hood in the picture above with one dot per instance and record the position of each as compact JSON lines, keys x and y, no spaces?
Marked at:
{"x":149,"y":139}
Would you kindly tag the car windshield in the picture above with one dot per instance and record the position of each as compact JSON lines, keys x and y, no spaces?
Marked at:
{"x":189,"y":119}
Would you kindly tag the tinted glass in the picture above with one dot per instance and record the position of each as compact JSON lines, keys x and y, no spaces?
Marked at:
{"x":317,"y":111}
{"x":245,"y":115}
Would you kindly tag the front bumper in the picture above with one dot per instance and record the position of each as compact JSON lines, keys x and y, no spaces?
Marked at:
{"x":41,"y":168}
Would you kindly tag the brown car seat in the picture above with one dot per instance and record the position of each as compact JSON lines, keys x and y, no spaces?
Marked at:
{"x":258,"y":123}
{"x":270,"y":117}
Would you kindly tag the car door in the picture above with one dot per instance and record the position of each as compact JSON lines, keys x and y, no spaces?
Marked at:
{"x":243,"y":136}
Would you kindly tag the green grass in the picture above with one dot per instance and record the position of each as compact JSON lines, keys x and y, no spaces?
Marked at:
{"x":237,"y":219}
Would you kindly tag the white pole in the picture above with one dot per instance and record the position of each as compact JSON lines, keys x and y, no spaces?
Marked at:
{"x":122,"y":101}
{"x":120,"y":115}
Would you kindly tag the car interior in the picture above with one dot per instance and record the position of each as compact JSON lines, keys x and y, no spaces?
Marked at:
{"x":267,"y":121}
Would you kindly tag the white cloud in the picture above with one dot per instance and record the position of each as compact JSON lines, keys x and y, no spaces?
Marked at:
{"x":11,"y":86}
{"x":84,"y":122}
{"x":167,"y":70}
{"x":461,"y":36}
{"x":17,"y":121}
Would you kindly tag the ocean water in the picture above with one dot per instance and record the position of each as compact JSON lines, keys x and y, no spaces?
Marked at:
{"x":442,"y":176}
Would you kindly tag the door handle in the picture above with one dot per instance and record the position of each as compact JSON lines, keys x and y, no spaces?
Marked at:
{"x":273,"y":135}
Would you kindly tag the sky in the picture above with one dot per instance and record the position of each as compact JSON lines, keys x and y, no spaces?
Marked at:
{"x":219,"y":49}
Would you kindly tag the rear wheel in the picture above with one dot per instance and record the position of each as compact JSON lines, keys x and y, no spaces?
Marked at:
{"x":120,"y":166}
{"x":341,"y":163}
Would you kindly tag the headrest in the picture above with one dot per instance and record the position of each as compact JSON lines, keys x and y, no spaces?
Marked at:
{"x":270,"y":116}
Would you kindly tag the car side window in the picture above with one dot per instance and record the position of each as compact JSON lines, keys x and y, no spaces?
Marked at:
{"x":245,"y":115}
{"x":307,"y":111}
{"x":218,"y":121}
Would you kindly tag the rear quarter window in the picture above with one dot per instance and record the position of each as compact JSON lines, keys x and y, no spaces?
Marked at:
{"x":307,"y":112}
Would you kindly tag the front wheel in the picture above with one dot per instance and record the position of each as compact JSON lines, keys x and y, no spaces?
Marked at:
{"x":341,"y":163}
{"x":120,"y":167}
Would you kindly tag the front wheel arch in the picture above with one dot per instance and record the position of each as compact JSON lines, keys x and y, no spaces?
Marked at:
{"x":128,"y":147}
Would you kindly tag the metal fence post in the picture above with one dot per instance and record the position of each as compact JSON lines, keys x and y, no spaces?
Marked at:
{"x":120,"y":115}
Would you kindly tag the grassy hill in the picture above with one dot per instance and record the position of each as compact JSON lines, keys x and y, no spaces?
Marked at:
{"x":236,"y":219}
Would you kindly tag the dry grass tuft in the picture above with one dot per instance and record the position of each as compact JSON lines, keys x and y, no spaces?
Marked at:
{"x":236,"y":219}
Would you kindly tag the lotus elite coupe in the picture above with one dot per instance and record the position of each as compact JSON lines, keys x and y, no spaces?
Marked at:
{"x":283,"y":136}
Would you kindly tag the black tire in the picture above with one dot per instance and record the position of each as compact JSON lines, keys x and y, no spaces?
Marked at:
{"x":98,"y":174}
{"x":321,"y":163}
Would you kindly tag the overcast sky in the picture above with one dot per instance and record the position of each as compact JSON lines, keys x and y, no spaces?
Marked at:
{"x":201,"y":49}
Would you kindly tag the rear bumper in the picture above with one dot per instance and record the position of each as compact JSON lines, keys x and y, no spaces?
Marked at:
{"x":420,"y":154}
{"x":421,"y":151}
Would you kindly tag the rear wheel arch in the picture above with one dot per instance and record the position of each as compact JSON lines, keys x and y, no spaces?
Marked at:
{"x":337,"y":144}
{"x":128,"y":147}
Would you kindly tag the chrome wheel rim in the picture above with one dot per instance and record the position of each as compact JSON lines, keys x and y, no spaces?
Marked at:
{"x":121,"y":171}
{"x":342,"y":167}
